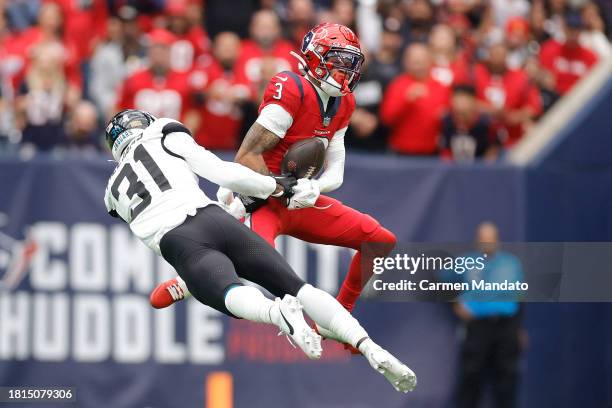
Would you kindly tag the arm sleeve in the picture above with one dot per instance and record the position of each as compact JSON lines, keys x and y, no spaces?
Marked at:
{"x":335,"y":154}
{"x":231,"y":175}
{"x":276,"y":119}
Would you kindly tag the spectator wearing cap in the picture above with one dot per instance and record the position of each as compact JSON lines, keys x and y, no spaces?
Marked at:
{"x":191,"y":42}
{"x":265,"y":43}
{"x":220,"y":95}
{"x":158,"y":89}
{"x":449,"y":65}
{"x":517,"y":39}
{"x":467,"y":133}
{"x":413,"y":105}
{"x":567,"y":59}
{"x":506,"y":94}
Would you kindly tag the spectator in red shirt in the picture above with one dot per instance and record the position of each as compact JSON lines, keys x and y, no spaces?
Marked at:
{"x":449,"y":65}
{"x":508,"y":95}
{"x":567,"y":60}
{"x":413,"y":105}
{"x":220,"y":96}
{"x":265,"y":42}
{"x":84,"y":24}
{"x":50,"y":29}
{"x":191,"y":41}
{"x":158,"y":89}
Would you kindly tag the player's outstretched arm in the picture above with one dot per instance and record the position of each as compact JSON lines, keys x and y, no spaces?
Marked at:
{"x":207,"y":165}
{"x":257,"y":141}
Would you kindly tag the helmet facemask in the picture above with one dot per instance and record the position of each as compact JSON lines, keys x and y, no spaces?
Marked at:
{"x":339,"y":71}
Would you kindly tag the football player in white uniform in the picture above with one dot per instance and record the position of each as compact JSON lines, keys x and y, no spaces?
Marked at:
{"x":155,"y":190}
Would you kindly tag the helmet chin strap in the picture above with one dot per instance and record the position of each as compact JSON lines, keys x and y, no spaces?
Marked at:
{"x":331,"y":87}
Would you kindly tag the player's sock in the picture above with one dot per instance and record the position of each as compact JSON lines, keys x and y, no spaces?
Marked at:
{"x":351,"y":287}
{"x":329,"y":314}
{"x":249,"y":303}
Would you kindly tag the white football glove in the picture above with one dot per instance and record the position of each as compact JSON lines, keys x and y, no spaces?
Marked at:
{"x":233,"y":206}
{"x":305,"y":194}
{"x":225,"y":195}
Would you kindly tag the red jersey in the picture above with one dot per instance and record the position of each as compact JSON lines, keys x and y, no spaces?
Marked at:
{"x":221,"y":120}
{"x":84,"y":23}
{"x":457,"y":72}
{"x":187,"y":48}
{"x":166,"y":97}
{"x":567,"y":63}
{"x":415,"y":125}
{"x":510,"y":91}
{"x":296,"y":95}
{"x":252,"y":56}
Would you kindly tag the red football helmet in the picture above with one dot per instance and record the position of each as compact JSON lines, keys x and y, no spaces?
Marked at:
{"x":332,"y":55}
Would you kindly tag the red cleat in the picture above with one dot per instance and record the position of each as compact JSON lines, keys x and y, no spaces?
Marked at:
{"x":168,"y":293}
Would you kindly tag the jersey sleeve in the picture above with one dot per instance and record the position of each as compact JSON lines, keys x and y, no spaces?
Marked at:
{"x":283,"y":90}
{"x":206,"y":164}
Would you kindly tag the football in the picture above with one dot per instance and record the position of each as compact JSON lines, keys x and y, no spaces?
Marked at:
{"x":305,"y":158}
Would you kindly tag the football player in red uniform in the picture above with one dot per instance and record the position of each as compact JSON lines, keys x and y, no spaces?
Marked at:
{"x":294,"y":107}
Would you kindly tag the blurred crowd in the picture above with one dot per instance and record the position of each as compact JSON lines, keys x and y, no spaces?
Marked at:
{"x":461,"y":79}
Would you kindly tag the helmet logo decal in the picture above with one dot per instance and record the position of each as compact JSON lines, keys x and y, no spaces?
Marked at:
{"x":306,"y":41}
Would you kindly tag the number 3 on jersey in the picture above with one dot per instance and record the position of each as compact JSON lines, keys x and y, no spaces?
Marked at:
{"x":279,"y":90}
{"x":135,"y":185}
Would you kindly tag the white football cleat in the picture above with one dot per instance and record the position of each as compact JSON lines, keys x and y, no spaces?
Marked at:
{"x":291,"y":322}
{"x":399,"y":375}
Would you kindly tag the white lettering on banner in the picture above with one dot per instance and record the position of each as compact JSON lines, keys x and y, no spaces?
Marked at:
{"x":131,"y":261}
{"x":48,"y":274}
{"x":91,"y":322}
{"x":14,"y":326}
{"x":87,"y":300}
{"x":167,"y":349}
{"x":204,"y":337}
{"x":51,"y":327}
{"x":131,"y":329}
{"x":88,"y":257}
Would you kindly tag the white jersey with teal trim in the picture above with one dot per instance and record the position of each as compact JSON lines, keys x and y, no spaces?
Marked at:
{"x":155,"y":185}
